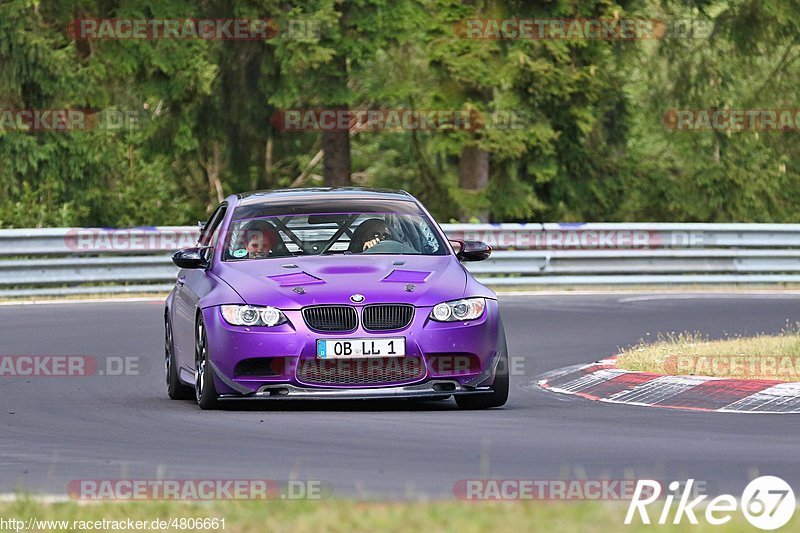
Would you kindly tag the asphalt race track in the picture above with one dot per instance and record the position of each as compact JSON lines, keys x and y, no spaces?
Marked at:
{"x":57,"y":429}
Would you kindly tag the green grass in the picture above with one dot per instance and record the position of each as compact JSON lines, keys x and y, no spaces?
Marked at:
{"x":775,"y":357}
{"x":351,"y":516}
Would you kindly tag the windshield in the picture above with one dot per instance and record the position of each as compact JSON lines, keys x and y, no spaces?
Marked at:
{"x":331,"y":233}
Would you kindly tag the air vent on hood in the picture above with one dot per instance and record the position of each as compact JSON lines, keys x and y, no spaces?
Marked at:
{"x":298,"y":278}
{"x":407,"y":276}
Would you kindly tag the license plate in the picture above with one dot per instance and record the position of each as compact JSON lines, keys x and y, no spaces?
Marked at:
{"x":355,"y":348}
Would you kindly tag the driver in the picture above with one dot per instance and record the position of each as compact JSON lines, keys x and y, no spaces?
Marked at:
{"x":368,"y":234}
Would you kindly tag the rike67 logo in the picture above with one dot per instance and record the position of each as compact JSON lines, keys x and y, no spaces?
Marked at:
{"x":767,"y":503}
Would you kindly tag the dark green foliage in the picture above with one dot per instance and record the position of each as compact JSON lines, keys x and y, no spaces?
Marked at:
{"x":594,"y":146}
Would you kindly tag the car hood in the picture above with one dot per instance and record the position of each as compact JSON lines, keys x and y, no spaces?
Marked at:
{"x":295,"y":282}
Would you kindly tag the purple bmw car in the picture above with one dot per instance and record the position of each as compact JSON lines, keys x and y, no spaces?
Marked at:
{"x":332,"y":294}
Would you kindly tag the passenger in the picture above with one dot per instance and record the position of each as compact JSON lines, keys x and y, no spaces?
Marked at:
{"x":260,"y":239}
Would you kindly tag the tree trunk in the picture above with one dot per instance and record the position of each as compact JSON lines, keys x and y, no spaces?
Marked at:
{"x":473,"y":177}
{"x":336,"y":143}
{"x":214,"y":175}
{"x":213,"y":168}
{"x":132,"y":162}
{"x":268,"y":160}
{"x":336,"y":163}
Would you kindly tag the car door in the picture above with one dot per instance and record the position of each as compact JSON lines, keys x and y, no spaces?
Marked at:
{"x":193,"y":284}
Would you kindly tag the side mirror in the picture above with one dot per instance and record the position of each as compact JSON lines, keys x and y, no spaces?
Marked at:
{"x":471,"y":250}
{"x":189,"y":258}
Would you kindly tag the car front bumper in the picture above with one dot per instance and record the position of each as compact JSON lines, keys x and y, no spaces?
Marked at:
{"x":295,"y":344}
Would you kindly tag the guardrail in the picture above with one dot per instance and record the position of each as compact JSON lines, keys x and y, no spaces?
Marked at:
{"x":59,"y":261}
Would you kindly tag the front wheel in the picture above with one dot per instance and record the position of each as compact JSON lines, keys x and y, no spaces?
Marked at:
{"x":205,"y":392}
{"x":175,"y":389}
{"x":499,"y":395}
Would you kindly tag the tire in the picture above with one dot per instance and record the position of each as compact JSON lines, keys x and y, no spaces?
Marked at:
{"x":499,"y":395}
{"x":205,"y":392}
{"x":175,"y":389}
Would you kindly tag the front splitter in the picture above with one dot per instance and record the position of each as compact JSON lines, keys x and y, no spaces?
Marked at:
{"x":436,"y":388}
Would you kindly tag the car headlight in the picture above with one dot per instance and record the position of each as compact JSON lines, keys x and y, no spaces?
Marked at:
{"x":457,"y":310}
{"x":248,"y":315}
